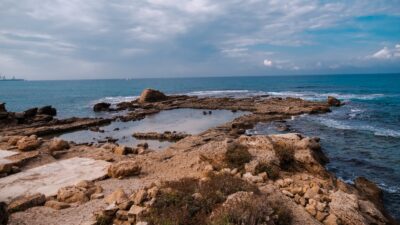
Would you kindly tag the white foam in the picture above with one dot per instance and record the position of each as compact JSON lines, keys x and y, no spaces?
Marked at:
{"x":342,"y":125}
{"x":115,"y":100}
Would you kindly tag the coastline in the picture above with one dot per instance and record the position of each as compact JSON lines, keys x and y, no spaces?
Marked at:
{"x":184,"y":158}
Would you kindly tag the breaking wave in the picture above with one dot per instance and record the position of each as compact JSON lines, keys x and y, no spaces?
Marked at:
{"x":115,"y":100}
{"x":342,"y":125}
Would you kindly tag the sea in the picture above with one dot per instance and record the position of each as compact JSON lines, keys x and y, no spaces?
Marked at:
{"x":361,"y":138}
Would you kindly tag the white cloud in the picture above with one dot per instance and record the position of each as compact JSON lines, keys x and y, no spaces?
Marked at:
{"x":387,"y":53}
{"x":267,"y":63}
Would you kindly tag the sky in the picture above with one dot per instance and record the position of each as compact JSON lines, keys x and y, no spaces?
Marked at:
{"x":90,"y":39}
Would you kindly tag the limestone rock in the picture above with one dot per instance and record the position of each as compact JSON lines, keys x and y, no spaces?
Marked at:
{"x":24,"y":202}
{"x":150,"y":95}
{"x":124,"y":169}
{"x":58,"y":144}
{"x":72,"y":194}
{"x":56,"y":205}
{"x":332,"y":101}
{"x":117,"y":197}
{"x":369,"y":190}
{"x":139,"y":196}
{"x":28,"y":143}
{"x":122,"y":150}
{"x":345,"y":207}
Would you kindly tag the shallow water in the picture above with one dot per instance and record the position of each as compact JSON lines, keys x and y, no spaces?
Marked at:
{"x":191,"y":121}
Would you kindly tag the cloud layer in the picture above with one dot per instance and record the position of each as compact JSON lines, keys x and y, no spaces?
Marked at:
{"x":56,"y":39}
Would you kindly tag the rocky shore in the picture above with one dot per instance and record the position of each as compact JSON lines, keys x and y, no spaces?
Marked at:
{"x":220,"y":176}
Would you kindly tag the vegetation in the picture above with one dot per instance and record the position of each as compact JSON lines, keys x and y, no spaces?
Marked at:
{"x":271,"y":169}
{"x":190,"y":201}
{"x":237,"y":155}
{"x":285,"y":154}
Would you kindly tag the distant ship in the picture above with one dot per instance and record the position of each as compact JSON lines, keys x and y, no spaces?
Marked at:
{"x":4,"y":78}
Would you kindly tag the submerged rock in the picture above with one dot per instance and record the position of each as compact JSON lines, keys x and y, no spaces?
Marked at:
{"x":332,"y":101}
{"x":151,"y":95}
{"x":3,"y":107}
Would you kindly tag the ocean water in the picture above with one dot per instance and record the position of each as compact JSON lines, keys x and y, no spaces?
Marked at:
{"x":361,"y":138}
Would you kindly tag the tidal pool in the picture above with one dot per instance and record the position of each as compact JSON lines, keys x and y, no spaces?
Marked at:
{"x":191,"y":121}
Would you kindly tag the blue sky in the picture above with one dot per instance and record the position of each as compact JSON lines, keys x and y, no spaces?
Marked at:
{"x":75,"y":39}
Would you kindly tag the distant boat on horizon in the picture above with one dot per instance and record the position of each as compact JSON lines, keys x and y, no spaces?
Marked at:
{"x":4,"y":78}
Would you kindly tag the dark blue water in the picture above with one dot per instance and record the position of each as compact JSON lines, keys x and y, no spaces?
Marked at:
{"x":361,"y":139}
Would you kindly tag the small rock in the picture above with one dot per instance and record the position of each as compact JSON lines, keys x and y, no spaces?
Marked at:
{"x":320,"y":216}
{"x":287,"y":193}
{"x":331,"y":219}
{"x":142,"y":223}
{"x":122,"y":150}
{"x":58,"y":144}
{"x":117,"y":197}
{"x":71,"y":194}
{"x":122,"y":215}
{"x":56,"y":205}
{"x":140,"y":196}
{"x":24,"y":202}
{"x":332,"y":101}
{"x":254,"y":179}
{"x":97,"y":196}
{"x":124,"y":169}
{"x":28,"y":143}
{"x":136,"y":211}
{"x":311,"y":209}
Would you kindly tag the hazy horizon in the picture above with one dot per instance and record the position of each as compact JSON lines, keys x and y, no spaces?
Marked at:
{"x":59,"y":40}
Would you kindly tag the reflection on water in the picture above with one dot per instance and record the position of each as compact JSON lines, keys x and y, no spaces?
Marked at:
{"x":191,"y":121}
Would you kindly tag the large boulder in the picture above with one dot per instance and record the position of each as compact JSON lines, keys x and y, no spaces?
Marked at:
{"x":28,"y":143}
{"x":101,"y":106}
{"x":332,"y":101}
{"x":150,"y":95}
{"x":369,"y":190}
{"x":47,"y":110}
{"x":124,"y":169}
{"x":24,"y":202}
{"x":346,"y":208}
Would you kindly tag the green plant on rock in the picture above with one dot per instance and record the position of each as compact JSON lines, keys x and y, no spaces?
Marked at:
{"x":237,"y":155}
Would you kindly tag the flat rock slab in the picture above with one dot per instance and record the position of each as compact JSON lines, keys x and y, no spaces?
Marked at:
{"x":4,"y":154}
{"x":47,"y":179}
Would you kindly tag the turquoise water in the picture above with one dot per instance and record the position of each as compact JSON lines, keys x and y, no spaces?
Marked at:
{"x":361,"y":139}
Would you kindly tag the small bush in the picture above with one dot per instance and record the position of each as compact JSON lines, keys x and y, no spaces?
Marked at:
{"x":176,"y":205}
{"x":250,"y":211}
{"x":271,"y":169}
{"x":237,"y":155}
{"x":283,"y":216}
{"x":285,"y":154}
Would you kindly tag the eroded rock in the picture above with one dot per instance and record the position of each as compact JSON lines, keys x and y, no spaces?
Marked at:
{"x":151,"y":95}
{"x":124,"y":169}
{"x":24,"y":202}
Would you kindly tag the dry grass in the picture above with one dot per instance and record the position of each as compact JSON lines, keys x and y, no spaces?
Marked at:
{"x":285,"y":154}
{"x":271,"y":169}
{"x":177,"y":204}
{"x":237,"y":155}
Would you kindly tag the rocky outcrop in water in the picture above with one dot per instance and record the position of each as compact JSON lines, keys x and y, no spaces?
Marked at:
{"x":151,"y":95}
{"x":332,"y":101}
{"x":101,"y":106}
{"x":166,"y":136}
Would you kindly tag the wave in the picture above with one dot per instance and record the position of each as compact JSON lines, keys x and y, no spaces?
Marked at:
{"x":382,"y":185}
{"x":342,"y":125}
{"x":116,"y":99}
{"x":307,"y":95}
